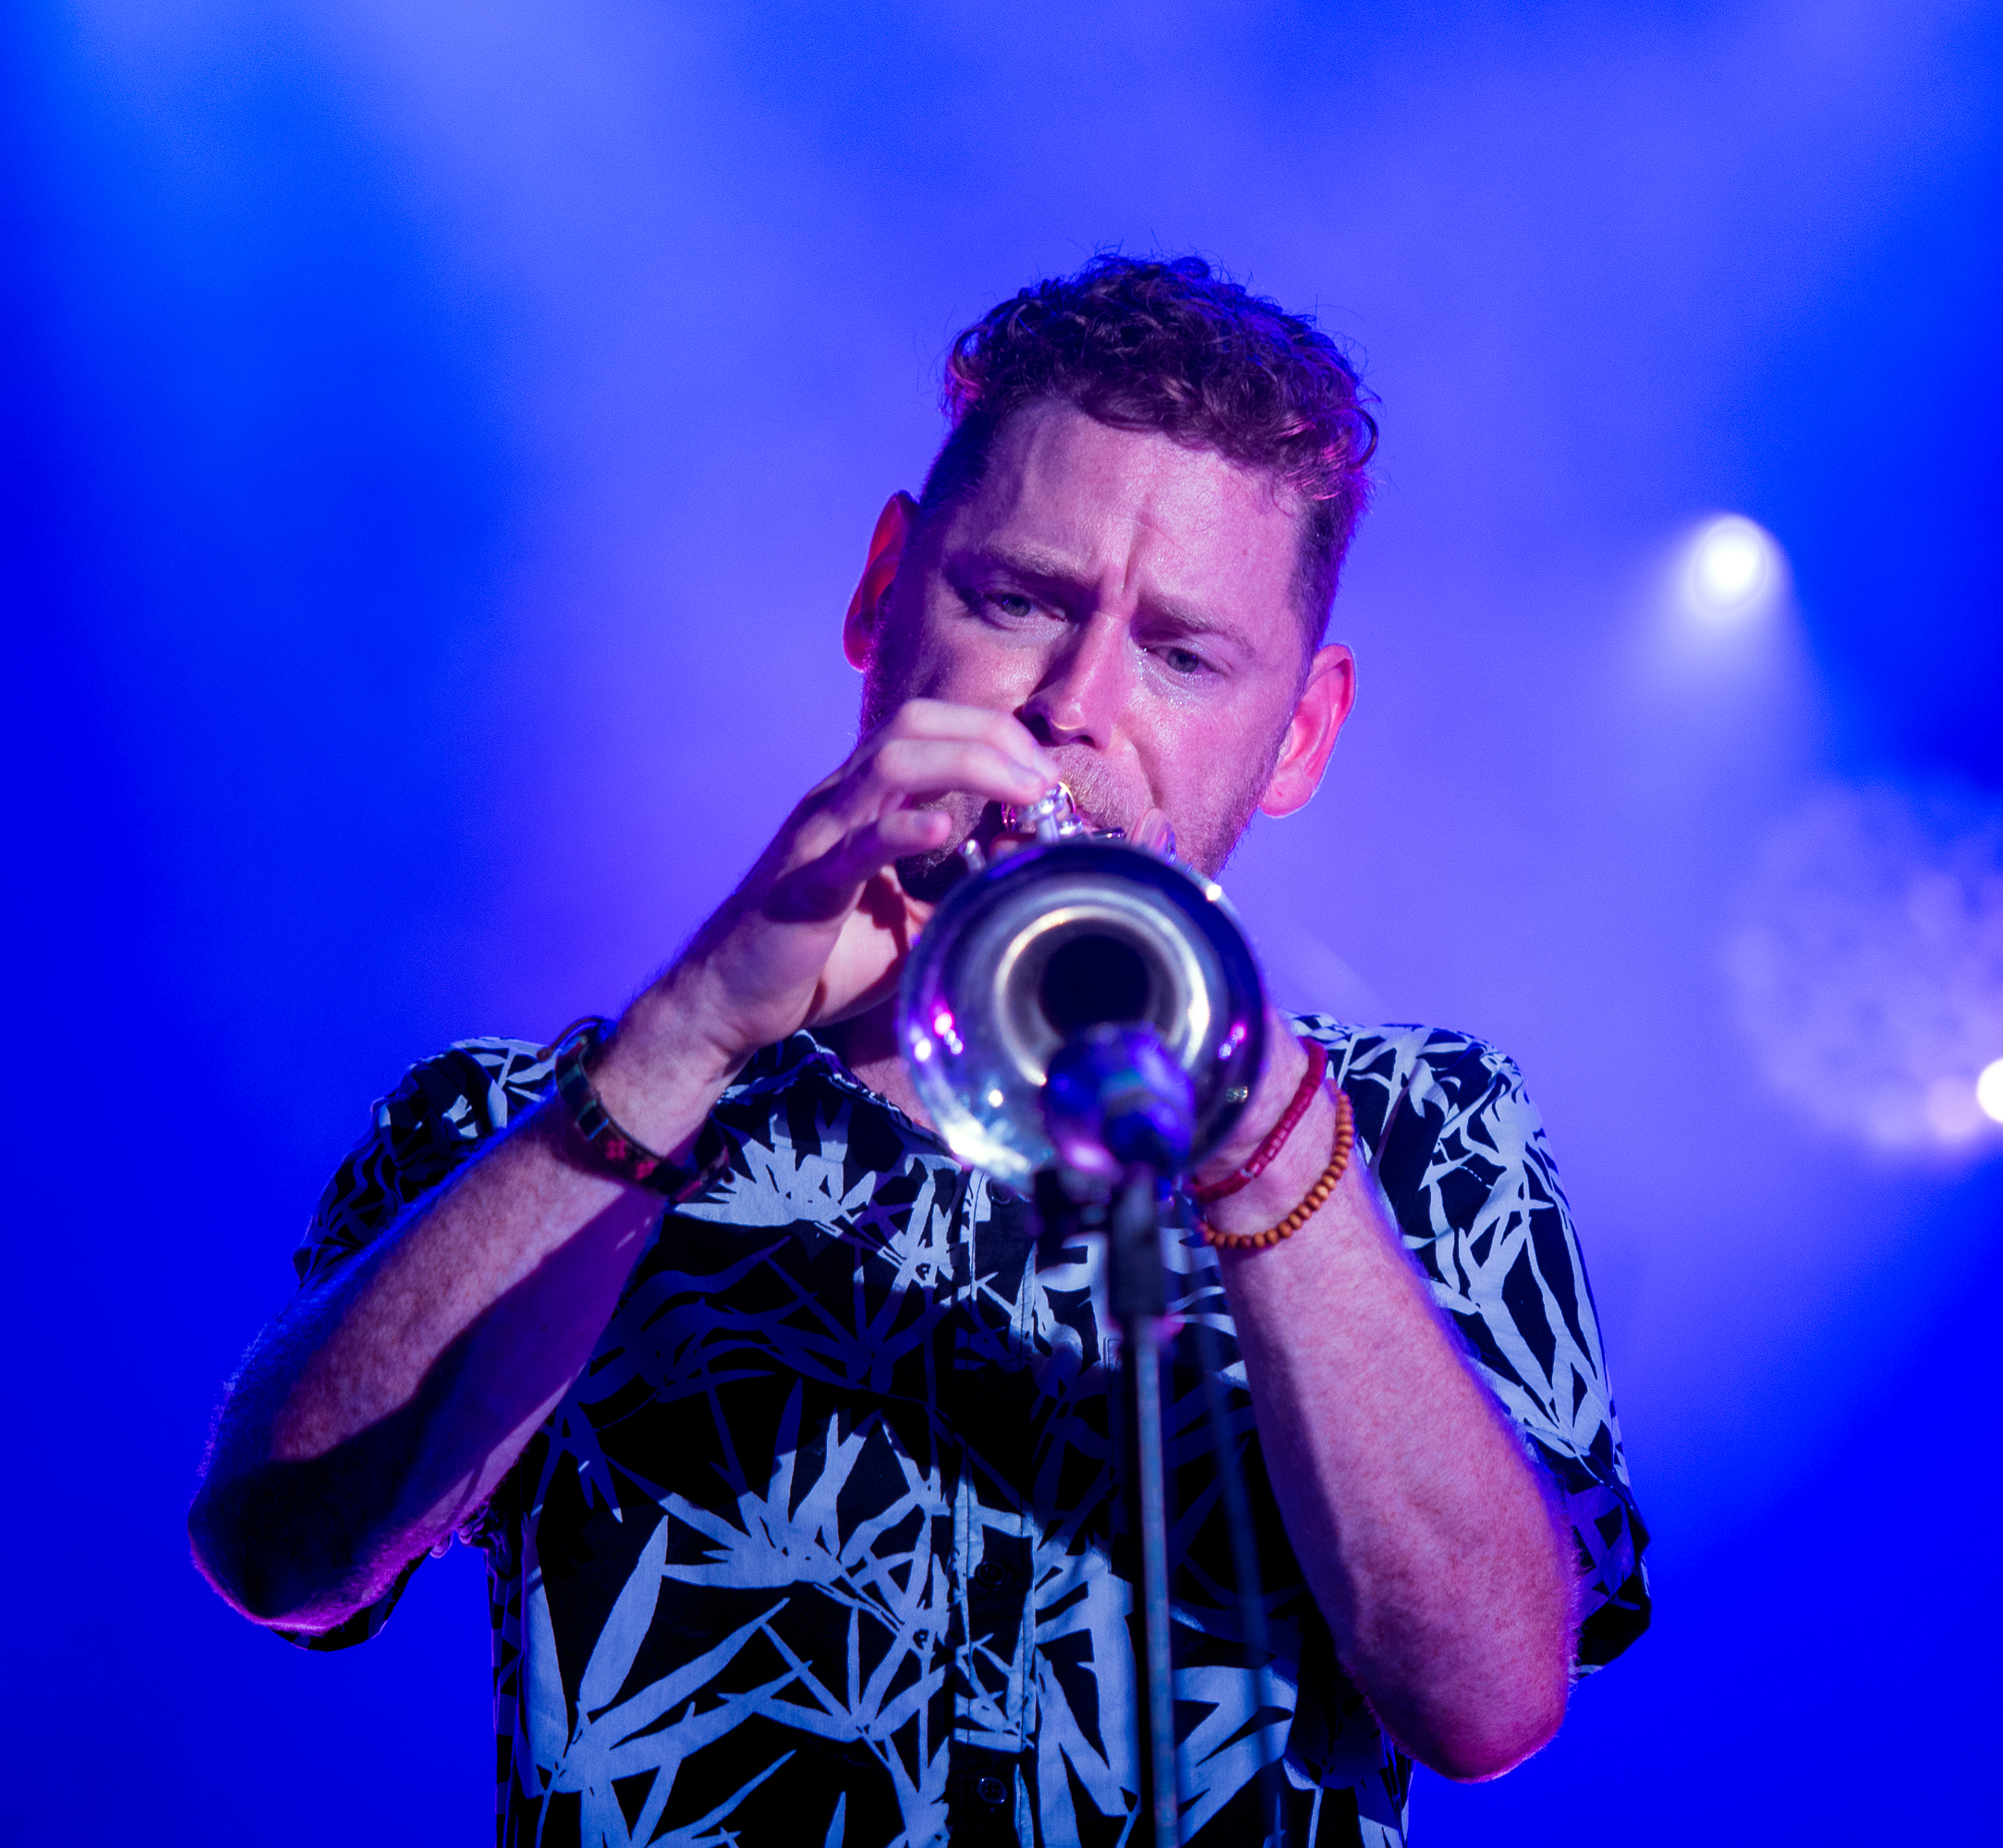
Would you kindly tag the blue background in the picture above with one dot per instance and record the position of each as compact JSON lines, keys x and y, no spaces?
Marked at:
{"x":440,"y":444}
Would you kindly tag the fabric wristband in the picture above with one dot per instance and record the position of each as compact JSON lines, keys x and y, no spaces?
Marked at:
{"x":614,"y":1150}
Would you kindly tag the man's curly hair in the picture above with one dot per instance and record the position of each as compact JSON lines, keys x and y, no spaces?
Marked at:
{"x":1172,"y":347}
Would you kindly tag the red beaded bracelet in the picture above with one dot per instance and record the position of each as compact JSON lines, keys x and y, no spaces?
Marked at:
{"x":1263,"y":1156}
{"x":1345,"y":1141}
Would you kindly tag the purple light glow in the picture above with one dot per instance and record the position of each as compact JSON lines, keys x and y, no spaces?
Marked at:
{"x":446,"y":442}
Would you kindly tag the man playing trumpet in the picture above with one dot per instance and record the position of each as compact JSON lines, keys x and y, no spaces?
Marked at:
{"x":792,"y":1456}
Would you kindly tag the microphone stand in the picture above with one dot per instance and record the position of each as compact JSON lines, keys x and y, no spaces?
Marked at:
{"x":1137,"y":1291}
{"x":1115,"y":1104}
{"x":1137,"y":1298}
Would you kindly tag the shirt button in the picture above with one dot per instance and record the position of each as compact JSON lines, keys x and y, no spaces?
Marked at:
{"x":992,"y":1790}
{"x":991,"y":1573}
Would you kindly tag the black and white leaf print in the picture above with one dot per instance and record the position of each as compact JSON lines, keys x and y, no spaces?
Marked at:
{"x":825,"y":1542}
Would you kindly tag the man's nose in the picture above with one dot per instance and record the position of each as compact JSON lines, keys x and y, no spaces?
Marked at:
{"x":1084,"y":688}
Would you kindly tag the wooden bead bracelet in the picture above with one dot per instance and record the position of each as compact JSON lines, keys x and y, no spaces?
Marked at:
{"x":1317,"y":1197}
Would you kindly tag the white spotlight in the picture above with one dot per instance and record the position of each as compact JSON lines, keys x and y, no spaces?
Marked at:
{"x":1732,"y":568}
{"x":1989,"y":1089}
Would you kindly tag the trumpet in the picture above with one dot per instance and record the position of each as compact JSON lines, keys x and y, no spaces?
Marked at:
{"x":1078,"y":952}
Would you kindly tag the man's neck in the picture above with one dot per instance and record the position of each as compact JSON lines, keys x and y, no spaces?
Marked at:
{"x":867,"y":1046}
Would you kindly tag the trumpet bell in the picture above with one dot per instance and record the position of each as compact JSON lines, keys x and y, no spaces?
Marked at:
{"x":1048,"y":942}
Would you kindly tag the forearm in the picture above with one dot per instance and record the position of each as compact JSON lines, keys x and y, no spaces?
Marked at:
{"x":1423,"y":1531}
{"x":369,"y":1416}
{"x":375,"y":1411}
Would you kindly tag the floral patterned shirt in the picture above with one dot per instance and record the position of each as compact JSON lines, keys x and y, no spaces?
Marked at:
{"x":823,"y":1546}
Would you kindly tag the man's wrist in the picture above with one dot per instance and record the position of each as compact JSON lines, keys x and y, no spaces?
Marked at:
{"x":663,"y":1069}
{"x":1278,"y":1079}
{"x":1267,"y":1198}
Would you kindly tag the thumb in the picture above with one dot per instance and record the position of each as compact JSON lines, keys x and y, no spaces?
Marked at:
{"x":1155,"y":831}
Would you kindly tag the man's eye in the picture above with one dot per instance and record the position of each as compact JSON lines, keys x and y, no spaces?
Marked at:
{"x":1182,"y":660}
{"x":1010,"y":603}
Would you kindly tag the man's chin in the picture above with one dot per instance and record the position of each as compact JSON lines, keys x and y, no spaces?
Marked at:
{"x":928,"y":877}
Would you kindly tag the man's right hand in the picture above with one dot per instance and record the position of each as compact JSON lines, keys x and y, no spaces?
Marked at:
{"x":818,"y":930}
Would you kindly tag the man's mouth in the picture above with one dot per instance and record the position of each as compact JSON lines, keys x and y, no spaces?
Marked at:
{"x":997,"y":832}
{"x":1061,"y":814}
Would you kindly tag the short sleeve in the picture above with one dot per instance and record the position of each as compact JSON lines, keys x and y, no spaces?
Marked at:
{"x":445,"y":1109}
{"x":432,"y":1123}
{"x":1459,"y":1150}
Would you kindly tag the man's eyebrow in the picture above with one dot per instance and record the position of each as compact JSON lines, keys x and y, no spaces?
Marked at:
{"x":1041,"y":565}
{"x":1027,"y":560}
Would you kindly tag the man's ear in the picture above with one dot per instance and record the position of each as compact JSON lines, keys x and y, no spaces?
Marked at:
{"x":1317,"y":716}
{"x":895,"y":526}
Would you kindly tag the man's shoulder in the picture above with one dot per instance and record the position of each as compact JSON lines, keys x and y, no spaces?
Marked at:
{"x":1458,"y":1066}
{"x":441,"y":1109}
{"x":475,"y":1084}
{"x":474,"y":1087}
{"x":1430,"y":1100}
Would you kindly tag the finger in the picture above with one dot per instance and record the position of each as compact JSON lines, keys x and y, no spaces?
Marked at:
{"x":912,"y":769}
{"x":827,"y":887}
{"x":902,"y":831}
{"x":943,"y":719}
{"x":1155,"y":831}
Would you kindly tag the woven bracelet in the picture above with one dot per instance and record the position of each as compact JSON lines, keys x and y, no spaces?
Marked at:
{"x":614,"y":1150}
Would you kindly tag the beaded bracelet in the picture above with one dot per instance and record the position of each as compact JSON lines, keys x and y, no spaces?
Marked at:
{"x":1262,"y":1157}
{"x":613,"y":1149}
{"x":1345,"y":1141}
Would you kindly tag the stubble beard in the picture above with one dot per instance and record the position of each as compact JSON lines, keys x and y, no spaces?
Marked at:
{"x":1206,"y":847}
